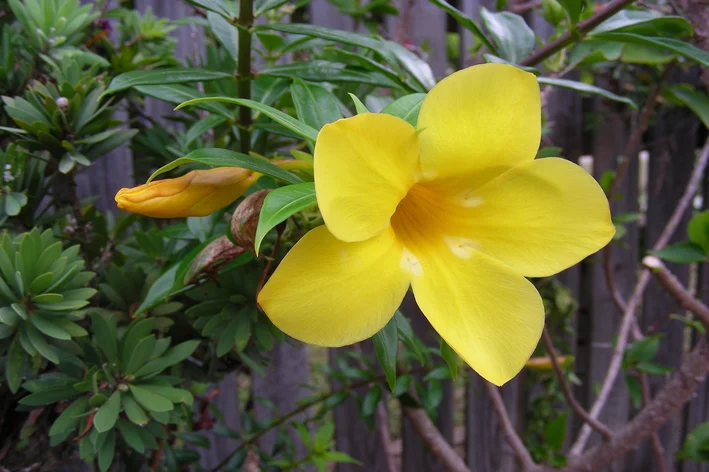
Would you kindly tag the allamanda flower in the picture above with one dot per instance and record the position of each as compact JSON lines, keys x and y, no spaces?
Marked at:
{"x":459,"y":210}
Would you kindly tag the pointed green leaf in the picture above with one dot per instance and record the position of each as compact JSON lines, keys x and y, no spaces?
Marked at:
{"x":108,"y":413}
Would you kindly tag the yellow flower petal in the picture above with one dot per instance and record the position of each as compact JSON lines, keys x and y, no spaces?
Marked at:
{"x":490,"y":315}
{"x":331,"y":293}
{"x":364,"y":166}
{"x":540,"y":217}
{"x":197,"y":193}
{"x":478,"y":122}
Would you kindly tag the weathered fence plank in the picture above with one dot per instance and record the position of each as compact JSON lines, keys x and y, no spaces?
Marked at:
{"x":599,"y":321}
{"x":671,"y":161}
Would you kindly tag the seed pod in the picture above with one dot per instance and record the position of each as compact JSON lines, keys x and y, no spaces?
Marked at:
{"x":245,"y":219}
{"x":212,"y":258}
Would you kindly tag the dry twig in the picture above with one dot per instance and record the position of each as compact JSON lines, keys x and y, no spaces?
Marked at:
{"x":508,"y":429}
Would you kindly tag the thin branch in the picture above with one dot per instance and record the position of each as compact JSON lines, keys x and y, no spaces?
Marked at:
{"x":508,"y":428}
{"x":575,"y":35}
{"x":573,"y":403}
{"x":680,"y":389}
{"x":675,"y":288}
{"x":385,"y":437}
{"x":634,"y":302}
{"x":657,"y":449}
{"x":522,"y":8}
{"x":435,"y":441}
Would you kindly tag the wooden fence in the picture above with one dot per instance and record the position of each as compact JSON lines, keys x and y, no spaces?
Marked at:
{"x":671,"y":144}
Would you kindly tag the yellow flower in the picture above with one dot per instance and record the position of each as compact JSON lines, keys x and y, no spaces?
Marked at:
{"x":197,"y":193}
{"x":459,"y":210}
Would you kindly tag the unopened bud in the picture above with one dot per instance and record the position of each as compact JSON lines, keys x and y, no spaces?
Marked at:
{"x":62,"y":102}
{"x":122,"y":387}
{"x":245,"y":219}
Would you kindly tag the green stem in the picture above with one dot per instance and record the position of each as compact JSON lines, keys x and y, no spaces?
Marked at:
{"x":245,"y":22}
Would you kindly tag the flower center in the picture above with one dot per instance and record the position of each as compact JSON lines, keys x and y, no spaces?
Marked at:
{"x":427,"y":221}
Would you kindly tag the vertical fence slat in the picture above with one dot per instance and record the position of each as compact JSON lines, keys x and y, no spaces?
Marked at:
{"x":424,"y":23}
{"x":486,"y":449}
{"x":283,"y":385}
{"x":698,"y":409}
{"x":225,"y":402}
{"x":415,"y":455}
{"x":352,"y":435}
{"x":671,"y":162}
{"x":597,"y":331}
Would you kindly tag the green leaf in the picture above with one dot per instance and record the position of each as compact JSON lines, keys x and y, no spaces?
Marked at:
{"x":262,"y":6}
{"x":131,"y":435}
{"x":684,"y":253}
{"x":555,"y":432}
{"x":217,"y":6}
{"x":162,"y":77}
{"x":225,"y":32}
{"x":647,"y":23}
{"x":48,"y":327}
{"x":466,"y":22}
{"x":107,"y":415}
{"x":315,"y":105}
{"x":450,"y":357}
{"x":386,"y":344}
{"x":698,"y":230}
{"x":685,"y":49}
{"x":49,"y":396}
{"x":337,"y":36}
{"x":173,"y":356}
{"x":407,"y":107}
{"x":319,"y":70}
{"x":652,"y":368}
{"x":514,"y":39}
{"x":133,"y":411}
{"x":371,"y":400}
{"x":161,"y":288}
{"x":215,"y":157}
{"x":140,"y":354}
{"x":407,"y":336}
{"x":696,"y":446}
{"x":359,"y":106}
{"x":149,"y":400}
{"x":105,"y":333}
{"x":280,"y":204}
{"x":70,"y":417}
{"x":15,"y":365}
{"x":176,"y":94}
{"x":287,"y":121}
{"x":635,"y":390}
{"x":697,"y":101}
{"x":106,"y":451}
{"x":573,"y":9}
{"x":201,"y":127}
{"x":644,"y":350}
{"x":44,"y":349}
{"x":586,"y":88}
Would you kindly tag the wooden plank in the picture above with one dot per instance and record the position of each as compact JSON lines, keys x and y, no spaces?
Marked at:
{"x":697,"y":410}
{"x":227,"y":402}
{"x":671,"y":162}
{"x":415,"y":455}
{"x":424,"y":23}
{"x":599,"y":319}
{"x":486,"y":449}
{"x":283,"y":385}
{"x":324,"y":13}
{"x":352,"y":435}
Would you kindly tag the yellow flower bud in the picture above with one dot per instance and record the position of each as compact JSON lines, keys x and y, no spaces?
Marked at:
{"x":197,"y":193}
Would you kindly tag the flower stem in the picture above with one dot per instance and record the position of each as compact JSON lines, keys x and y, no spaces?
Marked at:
{"x":246,"y":19}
